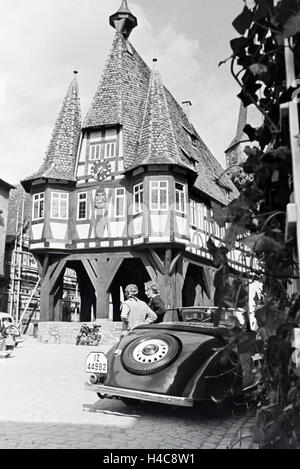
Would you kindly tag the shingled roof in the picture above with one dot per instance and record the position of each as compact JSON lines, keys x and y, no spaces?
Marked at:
{"x":157,"y":141}
{"x":15,"y":209}
{"x":242,"y":121}
{"x":60,"y":158}
{"x":155,"y":127}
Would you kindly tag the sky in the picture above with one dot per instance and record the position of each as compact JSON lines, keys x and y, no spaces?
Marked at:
{"x":43,"y":41}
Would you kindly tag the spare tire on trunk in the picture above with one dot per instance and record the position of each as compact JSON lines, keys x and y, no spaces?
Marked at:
{"x":149,"y":354}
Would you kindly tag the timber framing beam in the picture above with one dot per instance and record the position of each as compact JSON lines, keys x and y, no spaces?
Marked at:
{"x":56,"y":273}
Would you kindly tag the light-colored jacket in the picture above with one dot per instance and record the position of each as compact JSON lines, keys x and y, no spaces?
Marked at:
{"x":135,"y":312}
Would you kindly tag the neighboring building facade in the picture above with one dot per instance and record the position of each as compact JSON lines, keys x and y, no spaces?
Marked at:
{"x":126,"y":196}
{"x":20,"y":265}
{"x":5,"y":189}
{"x":20,"y":286}
{"x":4,"y":198}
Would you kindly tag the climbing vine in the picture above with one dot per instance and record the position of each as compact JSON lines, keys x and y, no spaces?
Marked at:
{"x":258,"y":218}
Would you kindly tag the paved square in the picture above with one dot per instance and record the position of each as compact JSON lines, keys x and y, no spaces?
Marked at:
{"x":44,"y":405}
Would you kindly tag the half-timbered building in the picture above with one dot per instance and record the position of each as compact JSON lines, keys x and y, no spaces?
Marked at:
{"x":125,"y":196}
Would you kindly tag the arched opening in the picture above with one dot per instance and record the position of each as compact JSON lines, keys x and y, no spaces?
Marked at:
{"x":195,"y":290}
{"x":86,"y":293}
{"x":130,"y":271}
{"x":73,"y":296}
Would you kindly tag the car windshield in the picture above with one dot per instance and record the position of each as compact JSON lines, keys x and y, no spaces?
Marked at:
{"x":205,"y":315}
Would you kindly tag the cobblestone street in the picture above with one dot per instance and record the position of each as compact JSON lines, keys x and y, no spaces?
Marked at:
{"x":44,"y":405}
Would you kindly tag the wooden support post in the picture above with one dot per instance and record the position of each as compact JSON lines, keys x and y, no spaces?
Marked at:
{"x":49,"y":277}
{"x":56,"y":274}
{"x":168,"y":259}
{"x":106,"y":271}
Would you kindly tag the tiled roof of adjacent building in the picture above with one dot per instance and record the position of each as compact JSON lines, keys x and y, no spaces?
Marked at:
{"x":6,"y":185}
{"x":15,"y":208}
{"x":155,"y":127}
{"x":60,"y":158}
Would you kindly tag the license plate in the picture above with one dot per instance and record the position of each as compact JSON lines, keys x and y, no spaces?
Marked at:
{"x":96,"y":362}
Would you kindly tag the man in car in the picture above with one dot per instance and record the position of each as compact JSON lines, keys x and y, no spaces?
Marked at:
{"x":156,"y":303}
{"x":135,"y":311}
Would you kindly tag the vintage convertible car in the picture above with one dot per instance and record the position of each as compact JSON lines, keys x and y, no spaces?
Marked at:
{"x":182,"y":362}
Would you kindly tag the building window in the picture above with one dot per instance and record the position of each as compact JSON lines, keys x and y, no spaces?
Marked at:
{"x":159,"y":195}
{"x":193,"y":213}
{"x":110,"y":150}
{"x":59,"y":205}
{"x":201,"y":216}
{"x":95,"y":151}
{"x":82,"y":206}
{"x":138,"y":192}
{"x":180,"y":198}
{"x":38,"y":206}
{"x":120,"y":202}
{"x":212,"y":224}
{"x":217,"y":230}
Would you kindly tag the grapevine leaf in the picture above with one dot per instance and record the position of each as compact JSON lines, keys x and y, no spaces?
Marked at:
{"x":292,"y":26}
{"x":218,"y":254}
{"x":260,"y":243}
{"x":231,"y":235}
{"x":262,"y":11}
{"x":250,"y":132}
{"x":237,"y":43}
{"x":253,"y":161}
{"x":285,"y":10}
{"x":258,"y":69}
{"x":245,"y":98}
{"x":243,"y":21}
{"x":220,"y":214}
{"x":286,"y":95}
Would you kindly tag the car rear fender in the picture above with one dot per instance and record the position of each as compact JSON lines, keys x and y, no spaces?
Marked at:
{"x":196,"y":349}
{"x":212,"y":376}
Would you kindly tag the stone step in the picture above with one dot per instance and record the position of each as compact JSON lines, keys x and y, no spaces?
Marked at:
{"x":66,"y":332}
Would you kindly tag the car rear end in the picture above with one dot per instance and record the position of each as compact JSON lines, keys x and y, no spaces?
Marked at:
{"x":158,"y":363}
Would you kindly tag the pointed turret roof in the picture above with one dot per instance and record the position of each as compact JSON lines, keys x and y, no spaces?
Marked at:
{"x":60,"y":158}
{"x":242,"y":121}
{"x":247,"y":115}
{"x":157,"y":141}
{"x":155,"y":127}
{"x":106,"y":106}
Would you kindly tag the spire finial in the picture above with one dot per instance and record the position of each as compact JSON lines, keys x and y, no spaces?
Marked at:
{"x":123,"y":20}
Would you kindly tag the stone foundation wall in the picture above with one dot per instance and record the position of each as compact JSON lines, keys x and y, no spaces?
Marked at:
{"x":66,"y":332}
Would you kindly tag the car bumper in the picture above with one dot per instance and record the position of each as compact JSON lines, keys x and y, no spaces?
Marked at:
{"x":110,"y":392}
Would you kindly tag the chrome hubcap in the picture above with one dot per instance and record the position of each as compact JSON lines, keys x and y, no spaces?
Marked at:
{"x":150,"y":351}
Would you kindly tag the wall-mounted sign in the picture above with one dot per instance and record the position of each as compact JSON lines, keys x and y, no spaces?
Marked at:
{"x":100,"y":199}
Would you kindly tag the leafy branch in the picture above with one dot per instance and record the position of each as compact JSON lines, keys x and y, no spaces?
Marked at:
{"x":258,"y":214}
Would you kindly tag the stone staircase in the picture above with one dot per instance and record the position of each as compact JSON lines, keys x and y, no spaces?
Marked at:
{"x":66,"y":332}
